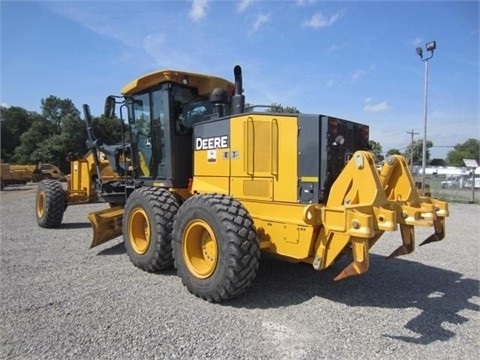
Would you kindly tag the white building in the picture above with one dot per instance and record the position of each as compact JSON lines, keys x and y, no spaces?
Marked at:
{"x":454,"y":176}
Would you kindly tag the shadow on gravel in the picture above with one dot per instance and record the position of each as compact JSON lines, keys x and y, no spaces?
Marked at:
{"x":12,"y":189}
{"x":439,"y":294}
{"x":75,"y":225}
{"x":118,"y":249}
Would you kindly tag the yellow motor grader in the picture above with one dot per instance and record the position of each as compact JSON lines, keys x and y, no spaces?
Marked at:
{"x":205,"y":184}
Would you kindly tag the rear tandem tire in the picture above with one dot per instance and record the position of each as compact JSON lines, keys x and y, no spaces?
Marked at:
{"x":215,"y":247}
{"x":147,"y":228}
{"x":50,"y":204}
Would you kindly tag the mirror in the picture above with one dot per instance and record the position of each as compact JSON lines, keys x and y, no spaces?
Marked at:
{"x":109,"y":107}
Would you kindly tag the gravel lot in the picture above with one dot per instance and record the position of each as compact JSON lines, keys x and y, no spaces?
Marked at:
{"x":60,"y":299}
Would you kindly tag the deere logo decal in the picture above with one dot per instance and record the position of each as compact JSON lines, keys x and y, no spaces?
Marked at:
{"x":216,"y":142}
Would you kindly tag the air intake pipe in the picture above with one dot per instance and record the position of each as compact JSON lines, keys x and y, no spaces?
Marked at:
{"x":238,"y":100}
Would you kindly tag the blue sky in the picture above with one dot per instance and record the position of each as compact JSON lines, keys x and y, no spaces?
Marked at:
{"x":354,"y":60}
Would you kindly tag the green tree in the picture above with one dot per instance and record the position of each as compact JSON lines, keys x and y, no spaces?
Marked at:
{"x":417,"y":149}
{"x":109,"y":130}
{"x":279,"y":108}
{"x":55,"y":109}
{"x":376,"y":149}
{"x":394,"y":152}
{"x":470,"y":149}
{"x":72,"y":139}
{"x":52,"y":135}
{"x":28,"y":151}
{"x":14,"y":122}
{"x":274,"y":107}
{"x":437,"y":162}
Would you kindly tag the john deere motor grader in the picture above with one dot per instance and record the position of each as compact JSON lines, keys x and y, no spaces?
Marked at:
{"x":205,"y":184}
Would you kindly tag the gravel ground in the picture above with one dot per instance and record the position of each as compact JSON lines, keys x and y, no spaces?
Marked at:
{"x":60,"y":299}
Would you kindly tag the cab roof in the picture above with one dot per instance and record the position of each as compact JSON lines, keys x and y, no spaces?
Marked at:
{"x":204,"y":83}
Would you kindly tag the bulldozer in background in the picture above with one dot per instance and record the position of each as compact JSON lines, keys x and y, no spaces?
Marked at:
{"x":206,"y":186}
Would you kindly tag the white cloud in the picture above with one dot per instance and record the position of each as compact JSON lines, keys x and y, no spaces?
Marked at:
{"x":243,"y":5}
{"x":198,"y":10}
{"x":373,"y":108}
{"x":259,"y":21}
{"x":319,"y":20}
{"x":357,"y":74}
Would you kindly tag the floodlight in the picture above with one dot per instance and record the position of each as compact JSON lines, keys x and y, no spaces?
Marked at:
{"x":432,"y":45}
{"x":419,"y":52}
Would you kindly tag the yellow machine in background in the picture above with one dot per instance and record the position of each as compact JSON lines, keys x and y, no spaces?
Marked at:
{"x":205,"y":186}
{"x":15,"y":174}
{"x":44,"y":171}
{"x":21,"y":174}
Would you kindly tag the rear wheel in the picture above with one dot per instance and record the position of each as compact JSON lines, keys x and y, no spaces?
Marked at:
{"x":50,"y":203}
{"x":147,"y":228}
{"x":215,"y":247}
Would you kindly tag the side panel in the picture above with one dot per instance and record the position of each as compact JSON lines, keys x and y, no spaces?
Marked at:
{"x":264,"y":157}
{"x":211,"y":156}
{"x":281,"y":229}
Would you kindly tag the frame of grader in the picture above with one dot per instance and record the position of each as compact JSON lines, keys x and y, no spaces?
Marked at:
{"x":206,"y":185}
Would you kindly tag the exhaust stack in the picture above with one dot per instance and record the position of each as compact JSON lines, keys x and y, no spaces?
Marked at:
{"x":238,"y":100}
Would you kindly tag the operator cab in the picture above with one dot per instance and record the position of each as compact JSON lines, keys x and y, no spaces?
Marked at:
{"x":162,"y":108}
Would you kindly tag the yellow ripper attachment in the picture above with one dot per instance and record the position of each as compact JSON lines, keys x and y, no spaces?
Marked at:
{"x":364,"y":203}
{"x":107,"y":224}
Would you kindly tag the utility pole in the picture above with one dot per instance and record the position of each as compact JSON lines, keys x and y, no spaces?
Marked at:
{"x":411,"y":148}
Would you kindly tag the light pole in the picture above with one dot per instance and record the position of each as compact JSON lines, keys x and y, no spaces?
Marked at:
{"x":430,"y":46}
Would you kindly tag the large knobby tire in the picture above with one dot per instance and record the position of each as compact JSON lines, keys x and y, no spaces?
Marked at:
{"x":50,"y":203}
{"x":215,"y":247}
{"x":147,"y":228}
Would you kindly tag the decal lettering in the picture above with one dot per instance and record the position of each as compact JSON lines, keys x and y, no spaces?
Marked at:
{"x":216,"y":142}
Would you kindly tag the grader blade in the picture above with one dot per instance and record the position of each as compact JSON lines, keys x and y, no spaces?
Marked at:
{"x":107,"y":224}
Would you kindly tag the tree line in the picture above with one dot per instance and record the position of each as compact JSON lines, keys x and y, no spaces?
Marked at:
{"x":470,"y":149}
{"x":29,"y":137}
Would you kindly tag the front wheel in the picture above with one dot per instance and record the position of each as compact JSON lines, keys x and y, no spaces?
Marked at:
{"x":215,"y":247}
{"x":50,"y":203}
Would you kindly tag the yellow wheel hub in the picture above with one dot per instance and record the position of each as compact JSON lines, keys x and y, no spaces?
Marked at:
{"x":200,"y":249}
{"x":40,"y":204}
{"x":139,"y":230}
